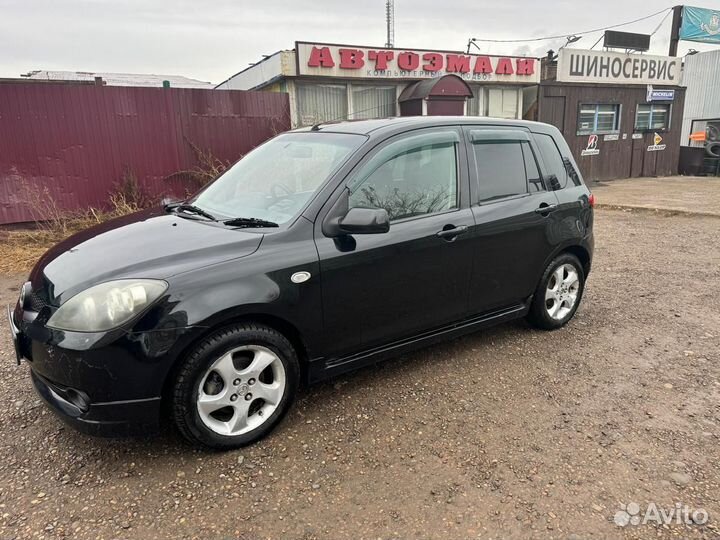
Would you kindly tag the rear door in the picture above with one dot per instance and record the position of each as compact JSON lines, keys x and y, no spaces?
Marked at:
{"x":514,"y":213}
{"x":555,"y":162}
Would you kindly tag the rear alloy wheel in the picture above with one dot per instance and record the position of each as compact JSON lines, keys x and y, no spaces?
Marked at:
{"x":235,"y":386}
{"x":561,"y":291}
{"x":558,"y":294}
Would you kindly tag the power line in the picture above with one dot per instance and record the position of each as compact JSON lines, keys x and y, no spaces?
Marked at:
{"x":598,"y":41}
{"x":661,"y":22}
{"x":574,"y":33}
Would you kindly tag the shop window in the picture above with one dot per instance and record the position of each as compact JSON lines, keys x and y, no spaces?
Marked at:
{"x":474,"y":104}
{"x":598,"y":118}
{"x":500,"y":168}
{"x":652,"y":117}
{"x":373,"y":101}
{"x":502,"y":102}
{"x":411,"y":177}
{"x":321,"y":103}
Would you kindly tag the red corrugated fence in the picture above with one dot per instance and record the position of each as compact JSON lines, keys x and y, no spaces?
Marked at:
{"x":79,"y":141}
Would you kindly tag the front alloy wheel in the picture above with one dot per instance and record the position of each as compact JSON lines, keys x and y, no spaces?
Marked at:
{"x":235,"y":386}
{"x":241,"y":390}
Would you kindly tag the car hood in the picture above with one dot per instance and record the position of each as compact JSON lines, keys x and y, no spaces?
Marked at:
{"x":147,"y":244}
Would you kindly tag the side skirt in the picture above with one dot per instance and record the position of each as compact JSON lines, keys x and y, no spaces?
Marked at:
{"x":322,"y":368}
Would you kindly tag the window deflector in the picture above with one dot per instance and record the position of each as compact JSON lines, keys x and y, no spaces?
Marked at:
{"x":399,"y":147}
{"x":479,"y":136}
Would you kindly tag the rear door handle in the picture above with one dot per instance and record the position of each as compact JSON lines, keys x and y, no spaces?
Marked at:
{"x":545,"y":208}
{"x":451,"y":233}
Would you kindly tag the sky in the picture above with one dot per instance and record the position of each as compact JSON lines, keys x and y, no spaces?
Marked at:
{"x":211,"y":40}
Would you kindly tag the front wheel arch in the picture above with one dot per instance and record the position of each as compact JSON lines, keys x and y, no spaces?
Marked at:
{"x":287,"y":329}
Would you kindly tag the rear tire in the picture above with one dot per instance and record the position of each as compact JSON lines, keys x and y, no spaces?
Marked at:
{"x":558,"y":294}
{"x":235,"y":386}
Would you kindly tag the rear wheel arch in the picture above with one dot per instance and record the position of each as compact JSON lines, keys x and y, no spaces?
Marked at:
{"x":581,"y":253}
{"x":558,"y":293}
{"x":573,"y":249}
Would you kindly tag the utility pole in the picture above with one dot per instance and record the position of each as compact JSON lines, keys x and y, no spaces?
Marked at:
{"x":390,"y":20}
{"x":675,"y":30}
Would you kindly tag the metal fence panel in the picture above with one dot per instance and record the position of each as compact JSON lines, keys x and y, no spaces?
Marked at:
{"x":79,"y":140}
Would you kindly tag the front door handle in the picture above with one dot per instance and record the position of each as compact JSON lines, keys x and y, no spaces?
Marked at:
{"x":450,"y":232}
{"x":545,"y":208}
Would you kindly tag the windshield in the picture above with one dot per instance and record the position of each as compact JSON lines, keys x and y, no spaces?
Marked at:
{"x":275,"y":181}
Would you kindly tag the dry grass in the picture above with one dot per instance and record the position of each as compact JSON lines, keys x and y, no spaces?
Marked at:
{"x":20,"y":249}
{"x":208,"y":168}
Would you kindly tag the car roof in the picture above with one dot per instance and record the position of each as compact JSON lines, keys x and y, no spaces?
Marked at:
{"x":402,"y":123}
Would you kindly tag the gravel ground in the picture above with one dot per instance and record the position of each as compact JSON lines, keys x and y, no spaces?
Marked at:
{"x":680,"y":194}
{"x":511,"y":432}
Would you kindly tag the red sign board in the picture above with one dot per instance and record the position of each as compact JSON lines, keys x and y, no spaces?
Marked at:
{"x":319,"y":59}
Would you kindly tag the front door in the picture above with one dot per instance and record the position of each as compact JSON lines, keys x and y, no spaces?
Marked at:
{"x":384,"y":287}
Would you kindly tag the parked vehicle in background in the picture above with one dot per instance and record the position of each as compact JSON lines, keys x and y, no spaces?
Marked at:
{"x":323,"y":250}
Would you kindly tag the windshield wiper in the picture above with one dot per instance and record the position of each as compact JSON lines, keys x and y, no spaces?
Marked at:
{"x":191,"y":209}
{"x":249,"y":222}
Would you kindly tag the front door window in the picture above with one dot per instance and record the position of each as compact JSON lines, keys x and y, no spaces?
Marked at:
{"x":410,"y":177}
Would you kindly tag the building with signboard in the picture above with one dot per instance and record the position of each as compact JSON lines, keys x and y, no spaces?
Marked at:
{"x":620,"y":113}
{"x":337,"y":82}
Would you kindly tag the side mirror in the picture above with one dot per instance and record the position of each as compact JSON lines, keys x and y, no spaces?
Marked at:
{"x":365,"y":221}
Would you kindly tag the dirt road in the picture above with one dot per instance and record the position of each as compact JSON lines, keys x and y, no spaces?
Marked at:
{"x":512,"y":432}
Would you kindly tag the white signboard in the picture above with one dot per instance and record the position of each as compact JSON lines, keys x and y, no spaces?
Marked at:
{"x":576,"y":65}
{"x":349,"y":61}
{"x":592,"y":146}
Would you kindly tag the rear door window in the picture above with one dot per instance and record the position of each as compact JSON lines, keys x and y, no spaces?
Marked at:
{"x":505,"y":164}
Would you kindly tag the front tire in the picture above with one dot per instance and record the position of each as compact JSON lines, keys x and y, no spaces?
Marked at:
{"x":558,"y":294}
{"x":235,"y":386}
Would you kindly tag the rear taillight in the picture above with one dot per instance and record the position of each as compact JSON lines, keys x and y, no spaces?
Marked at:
{"x":591,"y":200}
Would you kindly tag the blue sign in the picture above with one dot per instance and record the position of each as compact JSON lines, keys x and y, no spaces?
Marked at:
{"x":660,"y":95}
{"x":700,"y":24}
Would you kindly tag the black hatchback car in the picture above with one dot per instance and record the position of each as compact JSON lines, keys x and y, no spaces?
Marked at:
{"x":323,"y":250}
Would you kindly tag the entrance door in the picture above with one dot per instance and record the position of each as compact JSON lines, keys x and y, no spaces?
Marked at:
{"x":639,"y":149}
{"x":445,"y":107}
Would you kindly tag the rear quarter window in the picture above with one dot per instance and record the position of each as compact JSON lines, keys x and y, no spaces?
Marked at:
{"x":553,"y":163}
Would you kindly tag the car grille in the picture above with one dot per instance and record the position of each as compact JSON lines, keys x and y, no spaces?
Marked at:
{"x":35,"y":302}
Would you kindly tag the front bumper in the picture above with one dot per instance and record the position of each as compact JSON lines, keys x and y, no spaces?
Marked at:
{"x":106,"y":384}
{"x":110,"y":419}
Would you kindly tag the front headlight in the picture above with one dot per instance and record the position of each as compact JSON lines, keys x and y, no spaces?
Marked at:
{"x":106,"y":306}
